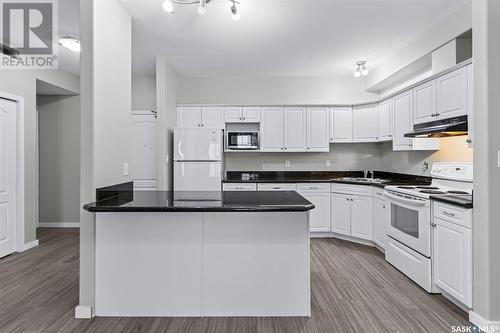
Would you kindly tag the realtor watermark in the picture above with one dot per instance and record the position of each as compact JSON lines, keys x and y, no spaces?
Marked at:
{"x":28,"y":34}
{"x":475,"y":329}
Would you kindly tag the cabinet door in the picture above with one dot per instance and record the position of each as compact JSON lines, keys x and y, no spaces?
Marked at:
{"x":233,"y":114}
{"x":365,"y":123}
{"x":380,"y":222}
{"x":452,"y":94}
{"x":319,"y":219}
{"x":341,"y":214}
{"x":271,"y":129}
{"x":188,"y":117}
{"x":361,"y":217}
{"x":403,"y":105}
{"x":341,"y":124}
{"x":317,"y":129}
{"x":212,"y":117}
{"x":470,"y":105}
{"x":251,"y":114}
{"x":424,"y":103}
{"x":385,"y":120}
{"x":295,"y":120}
{"x":452,"y":260}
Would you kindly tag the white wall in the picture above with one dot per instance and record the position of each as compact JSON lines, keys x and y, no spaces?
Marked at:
{"x":23,"y":83}
{"x":59,"y":158}
{"x":143,"y":93}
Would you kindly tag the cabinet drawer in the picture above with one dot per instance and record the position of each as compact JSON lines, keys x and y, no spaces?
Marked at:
{"x":453,"y":214}
{"x":313,"y":187}
{"x":277,"y":187}
{"x":352,"y":189}
{"x":378,"y":193}
{"x":239,"y":187}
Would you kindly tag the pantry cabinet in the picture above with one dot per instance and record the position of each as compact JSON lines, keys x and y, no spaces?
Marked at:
{"x":340,"y":124}
{"x":365,"y":123}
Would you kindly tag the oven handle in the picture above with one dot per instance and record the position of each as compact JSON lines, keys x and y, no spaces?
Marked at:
{"x":409,"y":201}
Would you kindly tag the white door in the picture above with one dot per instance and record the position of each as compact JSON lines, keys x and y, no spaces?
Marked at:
{"x":318,"y":129}
{"x":197,"y":176}
{"x":188,"y":117}
{"x":452,"y":94}
{"x":365,"y":123}
{"x":295,"y":120}
{"x":319,"y":218}
{"x":385,"y":120}
{"x":380,"y":222}
{"x":212,"y":117}
{"x":361,"y":217}
{"x":452,"y":260}
{"x":8,"y":216}
{"x":271,"y":129}
{"x":403,"y":105}
{"x":424,"y":103}
{"x":341,"y":124}
{"x":341,"y":214}
{"x":198,"y":145}
{"x":251,"y":114}
{"x":144,"y":152}
{"x":233,"y":114}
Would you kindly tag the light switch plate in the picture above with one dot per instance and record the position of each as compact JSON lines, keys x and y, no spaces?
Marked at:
{"x":287,"y":164}
{"x":328,"y":163}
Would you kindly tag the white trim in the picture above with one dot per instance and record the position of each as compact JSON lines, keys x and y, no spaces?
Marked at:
{"x":483,"y":324}
{"x":343,"y":237}
{"x":59,"y":224}
{"x":20,"y":172}
{"x":143,"y":113}
{"x":83,"y":312}
{"x":28,"y":246}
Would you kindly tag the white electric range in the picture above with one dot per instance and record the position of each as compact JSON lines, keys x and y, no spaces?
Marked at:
{"x":410,"y":233}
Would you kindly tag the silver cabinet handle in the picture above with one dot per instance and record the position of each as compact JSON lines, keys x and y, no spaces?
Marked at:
{"x":468,"y":140}
{"x":352,"y":199}
{"x":347,"y":199}
{"x":448,"y":213}
{"x":313,"y":187}
{"x":433,"y":225}
{"x":243,"y":118}
{"x":383,"y":206}
{"x":276,"y":188}
{"x":202,"y":125}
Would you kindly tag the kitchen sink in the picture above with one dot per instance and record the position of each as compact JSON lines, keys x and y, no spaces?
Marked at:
{"x":364,"y":180}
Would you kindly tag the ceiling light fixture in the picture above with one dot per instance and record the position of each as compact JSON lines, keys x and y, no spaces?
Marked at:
{"x":361,"y":69}
{"x":70,"y":43}
{"x":168,"y":6}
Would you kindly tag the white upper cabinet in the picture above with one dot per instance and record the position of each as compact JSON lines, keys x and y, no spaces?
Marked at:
{"x":251,"y":114}
{"x":341,"y":124}
{"x":271,"y":129}
{"x":365,"y":123}
{"x":236,"y":114}
{"x":403,"y":113}
{"x":318,"y":129}
{"x":424,"y":102}
{"x":385,"y":119}
{"x":212,"y":117}
{"x":233,"y":114}
{"x":189,"y":117}
{"x":295,"y":120}
{"x":452,"y":92}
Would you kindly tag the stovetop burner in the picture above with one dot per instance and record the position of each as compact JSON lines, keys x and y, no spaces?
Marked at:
{"x":432,"y":192}
{"x":457,"y":192}
{"x":428,"y":187}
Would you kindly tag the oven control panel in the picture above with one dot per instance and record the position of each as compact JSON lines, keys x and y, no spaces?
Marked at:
{"x":462,"y":171}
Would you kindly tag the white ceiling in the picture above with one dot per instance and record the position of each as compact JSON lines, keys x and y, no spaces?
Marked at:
{"x":279,"y":37}
{"x":69,"y":26}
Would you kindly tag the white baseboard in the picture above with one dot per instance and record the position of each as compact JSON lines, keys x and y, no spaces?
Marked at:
{"x":28,"y":246}
{"x":483,"y":324}
{"x":83,"y":312}
{"x":59,"y":225}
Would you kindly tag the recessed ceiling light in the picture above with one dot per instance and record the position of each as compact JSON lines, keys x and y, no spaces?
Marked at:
{"x":70,"y":43}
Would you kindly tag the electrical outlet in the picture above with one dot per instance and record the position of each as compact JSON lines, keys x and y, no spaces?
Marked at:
{"x":125,"y":169}
{"x":328,"y":163}
{"x":287,"y":164}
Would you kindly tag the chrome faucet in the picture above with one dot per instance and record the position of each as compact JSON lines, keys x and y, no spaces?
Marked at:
{"x":369,"y":172}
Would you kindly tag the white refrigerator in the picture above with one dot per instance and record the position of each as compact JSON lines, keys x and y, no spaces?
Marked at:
{"x":198,"y":159}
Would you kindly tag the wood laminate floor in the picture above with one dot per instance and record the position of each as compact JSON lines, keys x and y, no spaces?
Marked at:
{"x":353,"y":290}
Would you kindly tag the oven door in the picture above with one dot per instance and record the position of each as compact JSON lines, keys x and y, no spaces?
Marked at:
{"x":410,"y":221}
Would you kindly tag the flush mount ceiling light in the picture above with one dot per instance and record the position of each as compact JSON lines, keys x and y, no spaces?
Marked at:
{"x":168,"y":6}
{"x":70,"y":43}
{"x":361,"y":69}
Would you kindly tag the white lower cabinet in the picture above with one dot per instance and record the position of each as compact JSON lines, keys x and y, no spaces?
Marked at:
{"x":234,"y":187}
{"x":380,"y":220}
{"x":319,"y":195}
{"x":341,"y":214}
{"x":352,"y":215}
{"x":452,"y":256}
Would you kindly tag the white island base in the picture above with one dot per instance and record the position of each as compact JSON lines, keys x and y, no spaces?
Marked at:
{"x":197,"y":264}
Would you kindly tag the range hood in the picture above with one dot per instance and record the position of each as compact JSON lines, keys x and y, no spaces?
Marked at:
{"x":440,"y":128}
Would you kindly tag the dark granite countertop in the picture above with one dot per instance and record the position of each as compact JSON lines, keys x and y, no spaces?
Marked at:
{"x":387,"y":178}
{"x":464,"y":201}
{"x":166,"y":201}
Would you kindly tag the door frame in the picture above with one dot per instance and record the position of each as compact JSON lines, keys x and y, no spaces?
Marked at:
{"x":20,"y":174}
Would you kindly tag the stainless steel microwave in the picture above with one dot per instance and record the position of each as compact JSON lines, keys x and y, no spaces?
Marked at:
{"x":242,"y":140}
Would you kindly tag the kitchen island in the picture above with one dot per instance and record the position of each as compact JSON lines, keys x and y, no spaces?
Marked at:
{"x":201,"y":254}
